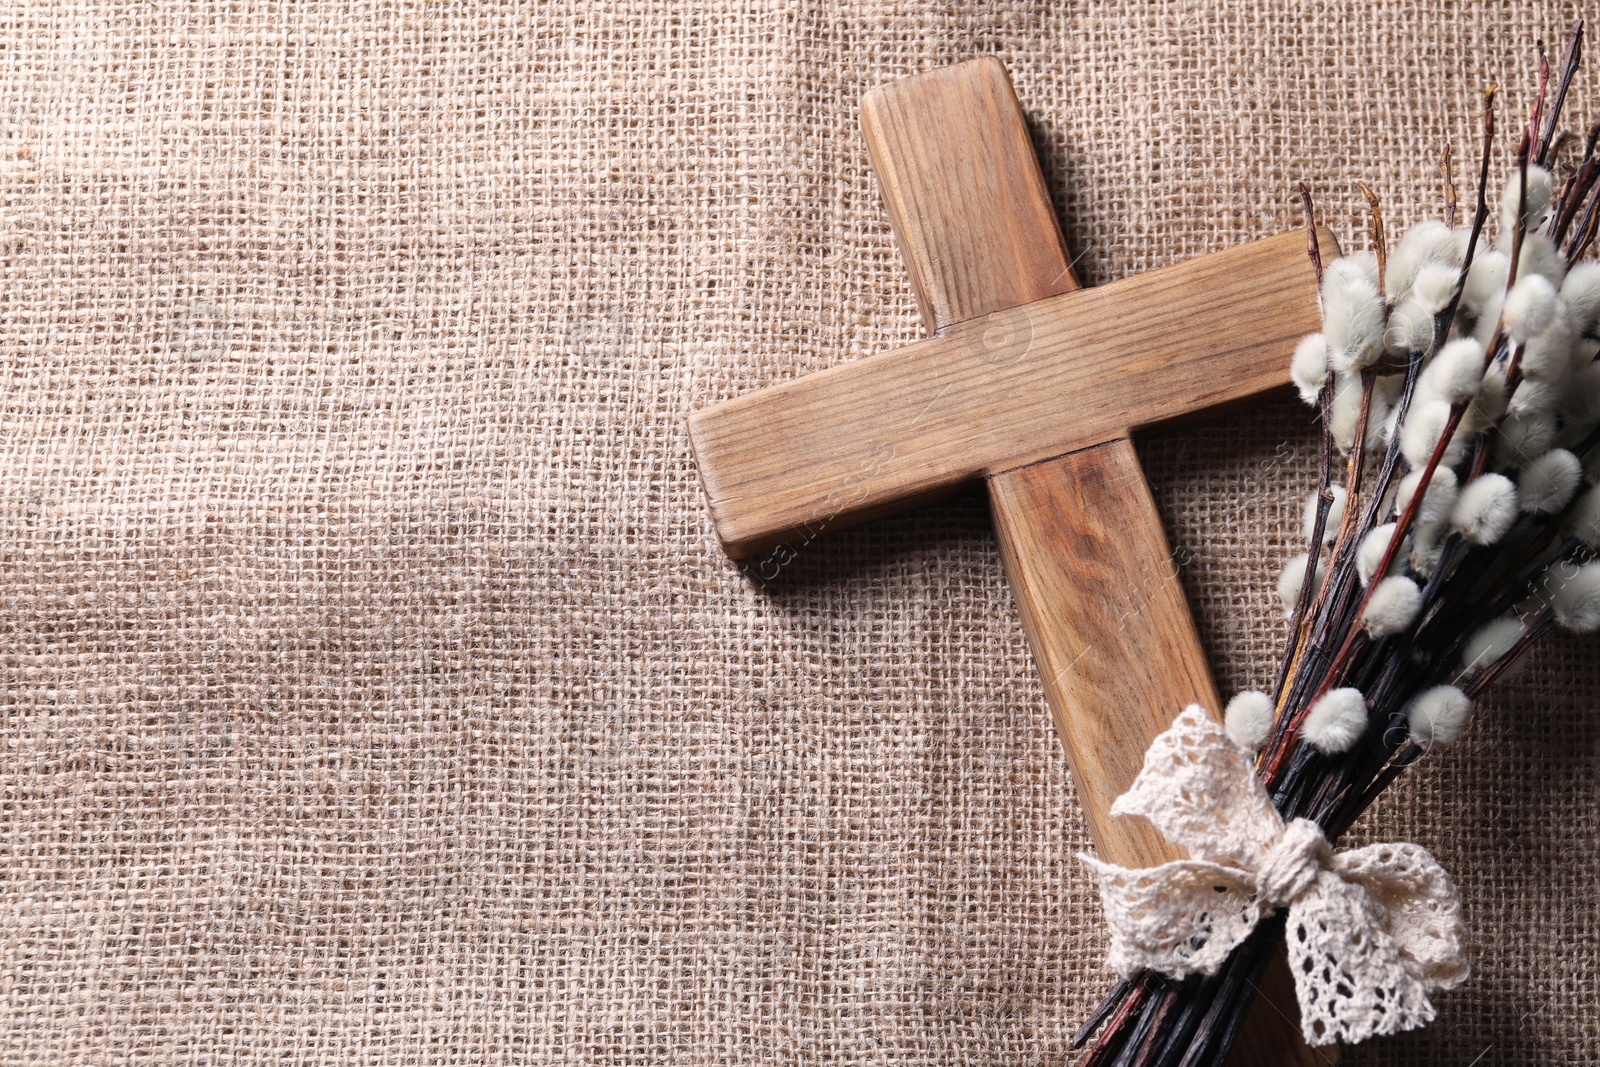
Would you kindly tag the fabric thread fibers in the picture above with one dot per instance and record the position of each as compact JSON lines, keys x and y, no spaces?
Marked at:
{"x":373,"y":688}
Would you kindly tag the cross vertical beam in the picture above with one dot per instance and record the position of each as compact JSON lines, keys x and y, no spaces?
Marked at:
{"x":1034,"y":385}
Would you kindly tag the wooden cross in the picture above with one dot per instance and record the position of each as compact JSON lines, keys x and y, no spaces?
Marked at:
{"x":1033,"y":385}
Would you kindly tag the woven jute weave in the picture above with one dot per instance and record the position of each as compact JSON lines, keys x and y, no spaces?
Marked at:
{"x":373,"y":688}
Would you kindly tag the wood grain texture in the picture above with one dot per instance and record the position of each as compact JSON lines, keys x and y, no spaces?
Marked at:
{"x":1098,"y":589}
{"x":1013,"y":387}
{"x":1097,"y":586}
{"x":962,"y":186}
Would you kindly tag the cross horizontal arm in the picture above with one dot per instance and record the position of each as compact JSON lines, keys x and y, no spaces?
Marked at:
{"x":876,"y":436}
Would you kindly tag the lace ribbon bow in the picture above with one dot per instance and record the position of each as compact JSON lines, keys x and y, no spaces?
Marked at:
{"x":1371,"y":931}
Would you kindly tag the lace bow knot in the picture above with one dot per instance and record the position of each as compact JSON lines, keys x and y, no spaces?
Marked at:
{"x":1370,"y":931}
{"x":1292,"y":864}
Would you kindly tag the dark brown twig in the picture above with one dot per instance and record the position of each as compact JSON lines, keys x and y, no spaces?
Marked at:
{"x":1536,"y":112}
{"x":1449,"y":188}
{"x":1313,"y":247}
{"x":1570,"y":61}
{"x":1577,"y":187}
{"x":1376,"y":229}
{"x":1521,"y":224}
{"x":1324,"y":498}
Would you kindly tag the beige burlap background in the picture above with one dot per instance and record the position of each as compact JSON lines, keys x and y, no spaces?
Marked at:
{"x":374,"y":690}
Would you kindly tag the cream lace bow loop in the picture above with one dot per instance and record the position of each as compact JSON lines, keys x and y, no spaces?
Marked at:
{"x":1371,"y":931}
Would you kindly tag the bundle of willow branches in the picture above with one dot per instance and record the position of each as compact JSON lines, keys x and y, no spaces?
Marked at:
{"x":1459,"y":383}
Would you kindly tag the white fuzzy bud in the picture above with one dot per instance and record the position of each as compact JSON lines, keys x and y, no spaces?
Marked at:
{"x":1489,"y":318}
{"x":1293,"y":576}
{"x":1330,"y":527}
{"x":1463,"y":239}
{"x":1427,"y":242}
{"x":1248,"y":719}
{"x":1427,"y":548}
{"x":1530,"y":307}
{"x":1345,"y":413}
{"x":1392,"y":607}
{"x":1435,"y":286}
{"x":1356,"y":267}
{"x":1581,"y":291}
{"x":1546,"y":485}
{"x":1456,"y":373}
{"x":1485,"y":509}
{"x":1309,"y":367}
{"x":1425,"y":424}
{"x":1549,"y":355}
{"x":1487,"y":406}
{"x":1409,"y":329}
{"x":1583,"y":521}
{"x":1336,"y":721}
{"x":1370,"y":554}
{"x":1344,"y":410}
{"x":1540,"y":256}
{"x":1535,"y":397}
{"x":1391,"y":419}
{"x":1352,"y":321}
{"x":1576,"y":599}
{"x":1522,"y":437}
{"x":1438,"y":716}
{"x":1389,"y":388}
{"x":1437,"y":502}
{"x":1539,"y":190}
{"x":1490,"y":642}
{"x":1378,"y":418}
{"x":1486,"y":280}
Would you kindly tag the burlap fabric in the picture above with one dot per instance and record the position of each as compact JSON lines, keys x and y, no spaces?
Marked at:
{"x":374,"y":690}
